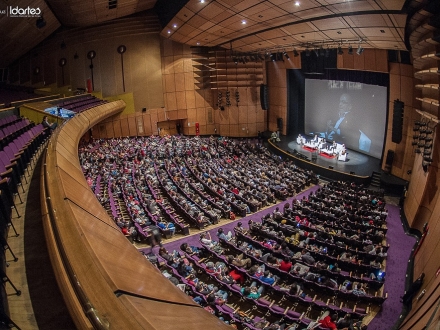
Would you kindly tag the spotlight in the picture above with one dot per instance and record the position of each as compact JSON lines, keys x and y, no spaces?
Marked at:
{"x":235,"y":60}
{"x":360,"y":50}
{"x":307,"y":52}
{"x":286,"y":55}
{"x":261,"y":57}
{"x":295,"y":53}
{"x":316,"y":50}
{"x":340,"y":51}
{"x":350,"y":50}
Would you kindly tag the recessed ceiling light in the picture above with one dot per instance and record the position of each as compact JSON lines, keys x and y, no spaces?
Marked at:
{"x":243,"y":22}
{"x":202,"y":1}
{"x":169,"y":31}
{"x":382,"y":31}
{"x":198,"y":43}
{"x":297,"y":3}
{"x":339,"y":32}
{"x":174,"y":25}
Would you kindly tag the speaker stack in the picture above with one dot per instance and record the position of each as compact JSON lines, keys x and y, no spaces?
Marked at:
{"x":396,"y":135}
{"x":264,"y":99}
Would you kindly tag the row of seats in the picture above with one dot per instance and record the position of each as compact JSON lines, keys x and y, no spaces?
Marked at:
{"x":15,"y":160}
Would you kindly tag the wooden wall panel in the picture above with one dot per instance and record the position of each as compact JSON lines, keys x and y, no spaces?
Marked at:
{"x":125,"y":127}
{"x":109,"y":129}
{"x":181,"y":100}
{"x":117,"y":128}
{"x":190,"y":99}
{"x":381,"y":60}
{"x":132,"y":125}
{"x":348,"y":60}
{"x":359,"y":61}
{"x":369,"y":59}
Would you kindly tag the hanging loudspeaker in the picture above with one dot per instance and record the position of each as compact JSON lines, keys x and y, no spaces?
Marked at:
{"x":264,"y":97}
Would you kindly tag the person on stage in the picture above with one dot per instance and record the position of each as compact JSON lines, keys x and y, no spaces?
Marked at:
{"x":336,"y":130}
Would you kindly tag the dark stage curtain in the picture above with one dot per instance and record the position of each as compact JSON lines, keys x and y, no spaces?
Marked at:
{"x":295,"y":102}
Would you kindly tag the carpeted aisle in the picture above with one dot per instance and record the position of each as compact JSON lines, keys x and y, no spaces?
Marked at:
{"x":399,"y":253}
{"x":397,"y":260}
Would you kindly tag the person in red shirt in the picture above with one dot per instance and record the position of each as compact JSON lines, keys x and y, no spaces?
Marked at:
{"x":329,"y":322}
{"x":286,"y":264}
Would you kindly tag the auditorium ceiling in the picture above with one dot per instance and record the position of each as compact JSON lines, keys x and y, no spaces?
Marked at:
{"x":243,"y":25}
{"x":251,"y":25}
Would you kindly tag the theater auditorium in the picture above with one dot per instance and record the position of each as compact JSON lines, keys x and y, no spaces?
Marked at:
{"x":231,"y":164}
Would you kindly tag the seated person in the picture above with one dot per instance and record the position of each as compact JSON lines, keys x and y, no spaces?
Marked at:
{"x":240,"y":261}
{"x":286,"y":264}
{"x":167,"y":225}
{"x":329,"y":322}
{"x":221,"y":235}
{"x":205,"y":239}
{"x":190,"y":249}
{"x":46,"y":124}
{"x":268,"y":278}
{"x":252,"y":291}
{"x":239,"y":228}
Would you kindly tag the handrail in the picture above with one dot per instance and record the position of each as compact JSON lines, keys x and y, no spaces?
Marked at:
{"x":105,"y":281}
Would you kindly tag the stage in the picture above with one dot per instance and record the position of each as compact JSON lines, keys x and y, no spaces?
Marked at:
{"x":358,"y":167}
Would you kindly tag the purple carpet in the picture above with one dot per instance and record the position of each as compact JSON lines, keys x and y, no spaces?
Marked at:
{"x":397,"y":260}
{"x":399,"y":253}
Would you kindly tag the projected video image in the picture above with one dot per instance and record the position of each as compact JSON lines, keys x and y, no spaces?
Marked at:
{"x":347,"y":112}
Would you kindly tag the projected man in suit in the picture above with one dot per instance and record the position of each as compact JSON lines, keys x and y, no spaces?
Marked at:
{"x":338,"y":130}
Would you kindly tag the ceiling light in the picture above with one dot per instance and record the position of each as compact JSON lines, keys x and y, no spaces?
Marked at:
{"x":297,"y":3}
{"x":174,"y":25}
{"x":360,"y":50}
{"x":295,"y":53}
{"x":286,"y":55}
{"x":202,"y":1}
{"x":169,"y":31}
{"x":307,"y":52}
{"x":340,"y":51}
{"x":243,"y":22}
{"x":198,"y":43}
{"x":350,"y":50}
